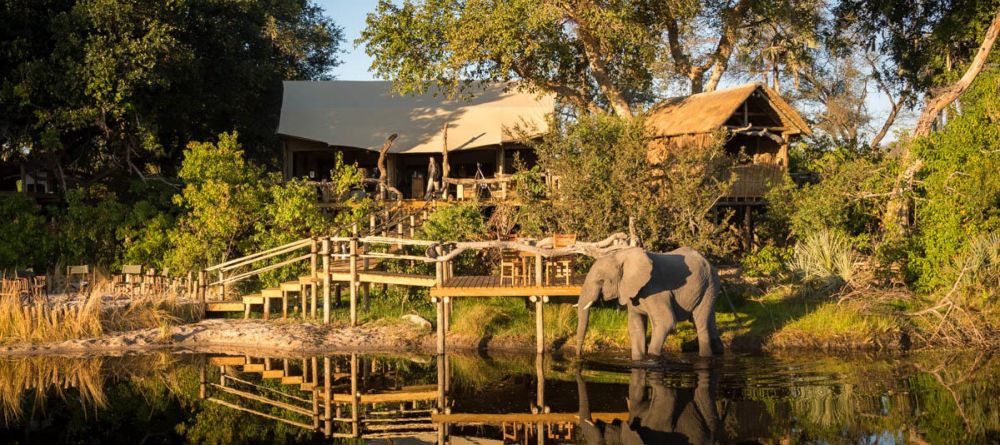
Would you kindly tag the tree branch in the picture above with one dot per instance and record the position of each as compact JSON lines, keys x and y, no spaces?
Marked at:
{"x":948,"y":95}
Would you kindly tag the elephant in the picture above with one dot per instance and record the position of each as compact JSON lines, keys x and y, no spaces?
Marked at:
{"x":657,"y":413}
{"x":664,"y":287}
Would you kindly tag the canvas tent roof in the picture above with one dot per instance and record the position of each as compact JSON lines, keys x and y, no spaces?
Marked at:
{"x":707,"y":112}
{"x":363,"y":114}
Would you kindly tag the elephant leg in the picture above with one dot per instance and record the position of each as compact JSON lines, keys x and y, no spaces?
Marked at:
{"x":660,"y":331}
{"x":708,"y":334}
{"x":637,"y":333}
{"x":663,"y":320}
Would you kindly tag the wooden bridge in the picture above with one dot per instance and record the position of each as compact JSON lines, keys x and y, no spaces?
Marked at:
{"x":341,"y":398}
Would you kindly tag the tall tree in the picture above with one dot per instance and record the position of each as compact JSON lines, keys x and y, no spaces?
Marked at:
{"x":98,"y":89}
{"x":598,"y":55}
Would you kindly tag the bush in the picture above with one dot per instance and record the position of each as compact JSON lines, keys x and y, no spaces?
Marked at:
{"x":825,"y":255}
{"x":768,"y":262}
{"x":25,"y":240}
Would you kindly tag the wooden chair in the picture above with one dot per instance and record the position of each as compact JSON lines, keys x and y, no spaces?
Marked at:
{"x":511,"y":266}
{"x":40,"y":288}
{"x":78,"y":279}
{"x":561,"y":267}
{"x":128,"y":280}
{"x":14,"y":288}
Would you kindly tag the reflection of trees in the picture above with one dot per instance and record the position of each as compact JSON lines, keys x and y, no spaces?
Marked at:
{"x":927,"y":397}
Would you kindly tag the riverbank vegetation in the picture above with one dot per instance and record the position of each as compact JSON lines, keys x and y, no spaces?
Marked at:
{"x":157,"y":157}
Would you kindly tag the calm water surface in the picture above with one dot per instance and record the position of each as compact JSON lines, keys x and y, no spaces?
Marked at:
{"x":477,"y":399}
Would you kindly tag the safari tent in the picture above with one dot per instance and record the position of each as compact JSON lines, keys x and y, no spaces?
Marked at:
{"x":321,"y":119}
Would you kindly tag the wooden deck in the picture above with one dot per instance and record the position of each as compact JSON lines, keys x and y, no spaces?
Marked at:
{"x":490,"y":286}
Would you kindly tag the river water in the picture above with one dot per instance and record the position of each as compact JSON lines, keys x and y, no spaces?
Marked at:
{"x":917,"y":398}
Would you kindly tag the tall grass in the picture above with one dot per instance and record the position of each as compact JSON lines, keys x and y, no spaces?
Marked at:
{"x":825,"y":255}
{"x":90,"y":317}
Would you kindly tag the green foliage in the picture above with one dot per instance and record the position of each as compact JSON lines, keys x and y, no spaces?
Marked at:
{"x":604,"y":178}
{"x":767,"y":262}
{"x":848,"y":196}
{"x":455,"y":222}
{"x":825,"y":255}
{"x":959,"y":188}
{"x":222,"y":200}
{"x":25,"y":241}
{"x":88,"y":227}
{"x":463,"y":222}
{"x":108,"y":88}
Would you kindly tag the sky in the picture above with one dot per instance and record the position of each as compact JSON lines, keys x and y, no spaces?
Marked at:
{"x":350,"y":14}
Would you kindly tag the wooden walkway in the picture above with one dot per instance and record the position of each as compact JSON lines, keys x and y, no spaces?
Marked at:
{"x":492,"y":286}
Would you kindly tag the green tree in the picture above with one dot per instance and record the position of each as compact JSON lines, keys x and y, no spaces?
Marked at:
{"x":605,"y":178}
{"x":959,"y":187}
{"x":222,"y":201}
{"x":597,"y":56}
{"x":94,"y":90}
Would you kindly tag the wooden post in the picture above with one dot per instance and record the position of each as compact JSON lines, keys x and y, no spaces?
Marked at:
{"x":201,"y":290}
{"x":355,"y":397}
{"x":326,"y":281}
{"x":202,"y":382}
{"x":366,"y":288}
{"x":399,"y":233}
{"x":354,"y":276}
{"x":413,"y":226}
{"x":371,"y":224}
{"x":315,"y":391}
{"x":314,"y":276}
{"x":439,"y":305}
{"x":328,"y":399}
{"x":539,"y":309}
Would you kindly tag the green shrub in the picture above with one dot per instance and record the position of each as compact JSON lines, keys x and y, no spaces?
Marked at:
{"x":825,"y":255}
{"x":768,"y":262}
{"x":959,"y":188}
{"x":25,"y":240}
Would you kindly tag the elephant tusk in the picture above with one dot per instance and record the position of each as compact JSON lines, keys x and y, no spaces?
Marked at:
{"x":588,"y":305}
{"x":576,"y":305}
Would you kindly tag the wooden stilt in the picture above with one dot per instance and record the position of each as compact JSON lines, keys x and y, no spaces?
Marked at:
{"x":447,"y":315}
{"x":267,"y":308}
{"x":328,"y":399}
{"x":313,"y":276}
{"x":354,"y":276}
{"x":439,"y":305}
{"x":326,"y":280}
{"x":355,"y":398}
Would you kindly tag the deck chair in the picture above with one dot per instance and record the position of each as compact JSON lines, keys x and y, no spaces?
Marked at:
{"x":78,"y":279}
{"x":128,"y":280}
{"x":511,"y":265}
{"x":561,"y":267}
{"x":11,"y":288}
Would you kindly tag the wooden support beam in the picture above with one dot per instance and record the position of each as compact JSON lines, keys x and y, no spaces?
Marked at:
{"x":354,"y":276}
{"x":326,"y":280}
{"x":314,"y":268}
{"x":328,"y":392}
{"x":355,"y":402}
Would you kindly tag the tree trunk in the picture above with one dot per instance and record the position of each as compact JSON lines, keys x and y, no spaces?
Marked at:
{"x":895,"y":222}
{"x":948,"y":95}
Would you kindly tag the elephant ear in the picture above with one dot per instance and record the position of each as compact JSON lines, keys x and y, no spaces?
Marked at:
{"x":636,"y":269}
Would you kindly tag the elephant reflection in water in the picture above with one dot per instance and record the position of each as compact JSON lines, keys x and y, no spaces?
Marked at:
{"x":658,"y":414}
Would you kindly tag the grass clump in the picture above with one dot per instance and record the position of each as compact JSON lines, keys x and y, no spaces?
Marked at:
{"x":832,"y":325}
{"x":91,"y":316}
{"x":825,"y":255}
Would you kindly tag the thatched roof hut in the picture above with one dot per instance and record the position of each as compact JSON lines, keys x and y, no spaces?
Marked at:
{"x":758,"y":123}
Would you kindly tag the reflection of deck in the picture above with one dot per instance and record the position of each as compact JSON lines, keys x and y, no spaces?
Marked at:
{"x":497,"y":419}
{"x":491,"y":286}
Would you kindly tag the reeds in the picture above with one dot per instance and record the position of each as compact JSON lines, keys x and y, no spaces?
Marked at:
{"x":90,"y":316}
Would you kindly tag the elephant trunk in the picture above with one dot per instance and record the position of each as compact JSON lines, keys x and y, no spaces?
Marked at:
{"x":582,"y":320}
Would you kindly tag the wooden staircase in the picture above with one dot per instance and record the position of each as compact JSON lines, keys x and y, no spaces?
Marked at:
{"x":306,"y":288}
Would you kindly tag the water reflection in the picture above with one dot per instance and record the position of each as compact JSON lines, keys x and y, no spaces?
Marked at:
{"x":174,"y":398}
